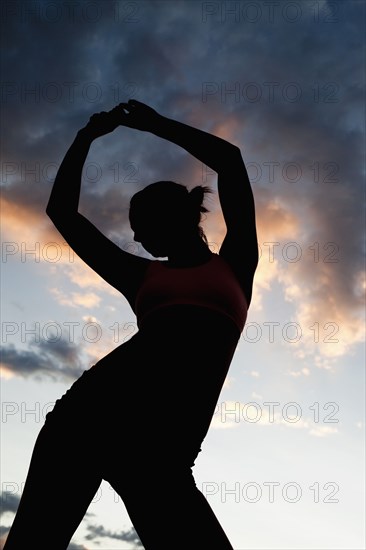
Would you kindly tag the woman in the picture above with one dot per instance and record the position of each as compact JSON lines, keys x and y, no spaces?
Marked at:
{"x":137,"y":418}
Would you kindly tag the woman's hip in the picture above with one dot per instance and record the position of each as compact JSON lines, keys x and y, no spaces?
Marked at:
{"x":144,"y":387}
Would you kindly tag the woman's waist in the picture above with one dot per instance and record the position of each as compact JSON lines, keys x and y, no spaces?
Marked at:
{"x":186,"y":335}
{"x":194,"y":308}
{"x":173,"y":318}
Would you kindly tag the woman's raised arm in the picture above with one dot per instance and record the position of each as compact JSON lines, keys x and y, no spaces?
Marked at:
{"x":122,"y":270}
{"x":240,"y":245}
{"x":65,"y":194}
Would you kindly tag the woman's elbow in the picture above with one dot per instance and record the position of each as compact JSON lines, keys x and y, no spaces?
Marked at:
{"x":52,"y":212}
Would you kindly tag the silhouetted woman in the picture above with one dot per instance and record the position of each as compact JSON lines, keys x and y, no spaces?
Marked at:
{"x":137,"y":417}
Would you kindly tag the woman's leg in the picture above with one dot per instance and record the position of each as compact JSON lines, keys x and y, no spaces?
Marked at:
{"x":166,"y":507}
{"x":58,"y":490}
{"x":65,"y":468}
{"x":62,"y":480}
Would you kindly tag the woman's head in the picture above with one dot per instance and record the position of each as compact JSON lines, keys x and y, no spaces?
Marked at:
{"x":165,"y":213}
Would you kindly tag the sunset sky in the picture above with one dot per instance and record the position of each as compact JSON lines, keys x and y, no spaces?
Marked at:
{"x":283,"y":463}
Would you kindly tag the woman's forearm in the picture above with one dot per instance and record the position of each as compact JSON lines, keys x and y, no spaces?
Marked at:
{"x":65,"y":192}
{"x":209,"y":149}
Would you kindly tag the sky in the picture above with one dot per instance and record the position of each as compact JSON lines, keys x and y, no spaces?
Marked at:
{"x":283,"y":463}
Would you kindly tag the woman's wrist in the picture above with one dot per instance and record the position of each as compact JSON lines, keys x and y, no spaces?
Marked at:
{"x":161,"y":127}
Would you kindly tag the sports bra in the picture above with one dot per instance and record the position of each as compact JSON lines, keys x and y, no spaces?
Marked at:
{"x":211,"y":285}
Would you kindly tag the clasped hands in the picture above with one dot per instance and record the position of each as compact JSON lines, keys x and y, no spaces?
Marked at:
{"x":133,"y":114}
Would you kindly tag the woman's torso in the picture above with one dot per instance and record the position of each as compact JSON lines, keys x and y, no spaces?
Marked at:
{"x":211,"y":285}
{"x":179,"y":334}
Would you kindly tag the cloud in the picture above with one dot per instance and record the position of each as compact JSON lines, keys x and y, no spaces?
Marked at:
{"x":302,"y":372}
{"x":98,"y":531}
{"x":323,"y":431}
{"x":88,"y":300}
{"x":26,"y":223}
{"x":57,"y":360}
{"x":8,"y":502}
{"x":319,"y":274}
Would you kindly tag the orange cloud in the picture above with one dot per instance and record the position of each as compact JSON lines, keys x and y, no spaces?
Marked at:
{"x":75,"y":299}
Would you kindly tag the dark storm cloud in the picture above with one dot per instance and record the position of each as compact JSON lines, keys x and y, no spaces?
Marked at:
{"x":95,"y":57}
{"x":58,"y":360}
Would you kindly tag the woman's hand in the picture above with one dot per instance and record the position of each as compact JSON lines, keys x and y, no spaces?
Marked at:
{"x":102,"y":123}
{"x":139,"y":116}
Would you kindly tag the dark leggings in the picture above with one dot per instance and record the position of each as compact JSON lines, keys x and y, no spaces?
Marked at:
{"x":141,"y":430}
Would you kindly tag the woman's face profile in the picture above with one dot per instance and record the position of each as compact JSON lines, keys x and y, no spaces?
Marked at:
{"x":152,"y":233}
{"x":156,"y":218}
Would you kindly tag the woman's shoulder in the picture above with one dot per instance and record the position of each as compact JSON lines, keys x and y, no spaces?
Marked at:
{"x":241,"y":271}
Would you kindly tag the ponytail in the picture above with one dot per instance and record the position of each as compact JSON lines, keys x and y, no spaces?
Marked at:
{"x":196,"y":197}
